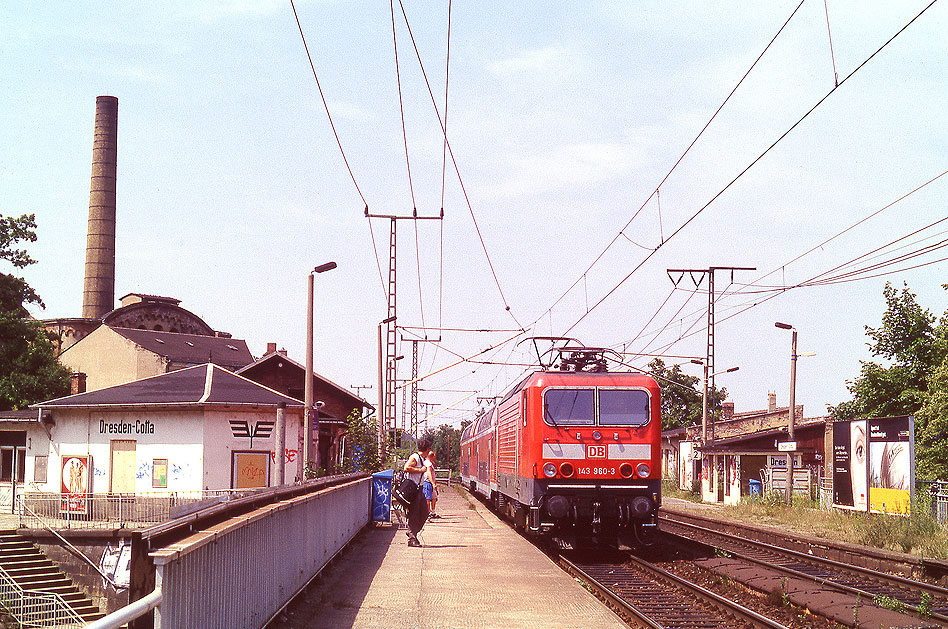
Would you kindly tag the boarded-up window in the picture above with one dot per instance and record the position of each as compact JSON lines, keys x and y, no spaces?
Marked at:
{"x":39,"y":469}
{"x":251,"y":470}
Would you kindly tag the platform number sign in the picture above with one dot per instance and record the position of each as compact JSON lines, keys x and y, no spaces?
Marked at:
{"x":595,"y":452}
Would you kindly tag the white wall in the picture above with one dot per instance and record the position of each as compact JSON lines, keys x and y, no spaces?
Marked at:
{"x":197,"y":443}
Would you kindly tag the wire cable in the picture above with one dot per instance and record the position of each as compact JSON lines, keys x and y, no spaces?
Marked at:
{"x":326,"y":106}
{"x":749,"y":166}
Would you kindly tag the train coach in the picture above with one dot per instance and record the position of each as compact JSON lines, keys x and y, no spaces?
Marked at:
{"x":571,"y":455}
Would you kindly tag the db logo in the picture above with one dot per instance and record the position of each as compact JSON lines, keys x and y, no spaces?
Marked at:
{"x":595,"y":452}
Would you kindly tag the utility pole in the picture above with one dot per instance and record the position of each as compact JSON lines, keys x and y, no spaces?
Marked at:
{"x":428,"y":406}
{"x":358,"y":388}
{"x":697,"y":277}
{"x":386,"y":365}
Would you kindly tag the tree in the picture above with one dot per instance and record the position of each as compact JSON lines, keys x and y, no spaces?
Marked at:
{"x":931,"y":427}
{"x":914,"y":383}
{"x":681,"y":396}
{"x":446,"y":441}
{"x":361,"y":452}
{"x":29,"y":371}
{"x":915,"y":347}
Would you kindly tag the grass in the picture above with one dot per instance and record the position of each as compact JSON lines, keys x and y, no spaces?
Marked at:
{"x":918,"y":534}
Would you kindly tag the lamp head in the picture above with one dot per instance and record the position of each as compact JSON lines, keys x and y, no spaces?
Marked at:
{"x":322,"y":268}
{"x":783,"y":326}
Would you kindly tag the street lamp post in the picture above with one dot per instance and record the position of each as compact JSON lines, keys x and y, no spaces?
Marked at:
{"x":792,"y":415}
{"x":308,"y":457}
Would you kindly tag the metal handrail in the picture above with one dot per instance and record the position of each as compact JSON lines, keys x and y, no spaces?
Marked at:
{"x":71,"y":546}
{"x":128,"y":613}
{"x":26,"y":606}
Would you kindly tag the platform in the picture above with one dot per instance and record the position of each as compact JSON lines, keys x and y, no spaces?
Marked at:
{"x":472,"y":570}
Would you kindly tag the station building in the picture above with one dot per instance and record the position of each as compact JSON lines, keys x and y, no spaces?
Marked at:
{"x":199,"y":428}
{"x":743,"y":450}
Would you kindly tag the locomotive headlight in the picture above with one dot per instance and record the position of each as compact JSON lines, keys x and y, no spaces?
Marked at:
{"x":597,"y":435}
{"x":549,"y":470}
{"x":643,"y":470}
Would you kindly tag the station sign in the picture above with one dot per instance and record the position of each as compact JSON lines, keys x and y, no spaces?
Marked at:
{"x":787,"y":446}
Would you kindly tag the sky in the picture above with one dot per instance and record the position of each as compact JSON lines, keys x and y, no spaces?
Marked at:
{"x":568,"y":191}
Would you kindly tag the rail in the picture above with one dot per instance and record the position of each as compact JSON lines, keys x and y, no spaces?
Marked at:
{"x":31,"y":608}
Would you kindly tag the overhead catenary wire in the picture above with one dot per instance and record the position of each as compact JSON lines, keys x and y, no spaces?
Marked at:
{"x":656,"y":190}
{"x":747,"y":168}
{"x":326,"y":106}
{"x":457,"y":170}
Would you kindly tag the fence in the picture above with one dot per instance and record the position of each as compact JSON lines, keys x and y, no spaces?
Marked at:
{"x":35,"y":609}
{"x":37,"y":509}
{"x":938,"y":490}
{"x":271,"y":553}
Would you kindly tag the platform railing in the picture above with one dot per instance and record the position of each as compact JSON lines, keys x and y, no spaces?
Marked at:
{"x":272,"y":552}
{"x":31,"y":608}
{"x":114,"y":510}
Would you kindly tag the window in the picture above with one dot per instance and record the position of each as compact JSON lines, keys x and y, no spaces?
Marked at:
{"x":596,"y":407}
{"x":623,"y":407}
{"x":569,"y":407}
{"x":9,"y":456}
{"x":39,"y":469}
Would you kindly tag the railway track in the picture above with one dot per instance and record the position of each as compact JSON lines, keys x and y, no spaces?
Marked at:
{"x":925,"y":600}
{"x":653,"y":597}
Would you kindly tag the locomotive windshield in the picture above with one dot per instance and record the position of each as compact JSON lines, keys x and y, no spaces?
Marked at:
{"x":623,"y":407}
{"x":569,"y":407}
{"x":578,"y":407}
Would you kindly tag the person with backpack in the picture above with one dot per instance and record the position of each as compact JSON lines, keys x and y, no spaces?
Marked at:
{"x":416,"y":470}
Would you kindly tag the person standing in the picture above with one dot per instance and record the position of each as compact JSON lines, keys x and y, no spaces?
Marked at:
{"x":416,"y":470}
{"x":430,"y":485}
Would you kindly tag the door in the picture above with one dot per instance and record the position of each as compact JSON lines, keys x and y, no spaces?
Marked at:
{"x":122,"y":476}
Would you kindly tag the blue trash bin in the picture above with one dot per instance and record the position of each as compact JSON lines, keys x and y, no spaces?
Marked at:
{"x":755,"y":487}
{"x":382,"y":496}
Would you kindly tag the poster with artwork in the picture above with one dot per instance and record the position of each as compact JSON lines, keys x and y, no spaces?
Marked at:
{"x":891,"y":464}
{"x":686,"y":465}
{"x":76,"y":472}
{"x":874,"y":464}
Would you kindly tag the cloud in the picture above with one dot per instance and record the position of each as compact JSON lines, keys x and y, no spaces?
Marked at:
{"x":552,"y":63}
{"x":570,"y":165}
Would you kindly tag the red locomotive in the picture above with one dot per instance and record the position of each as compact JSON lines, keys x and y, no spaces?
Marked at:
{"x":572,"y":453}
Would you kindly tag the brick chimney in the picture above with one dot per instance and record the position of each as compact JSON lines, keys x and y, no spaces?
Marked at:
{"x":727,"y":410}
{"x":77,"y":383}
{"x":271,"y":348}
{"x":771,"y":402}
{"x":98,"y":293}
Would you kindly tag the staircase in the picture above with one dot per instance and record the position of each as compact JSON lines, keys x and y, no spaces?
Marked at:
{"x":31,"y":570}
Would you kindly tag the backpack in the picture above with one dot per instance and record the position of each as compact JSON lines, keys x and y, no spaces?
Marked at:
{"x":404,"y":489}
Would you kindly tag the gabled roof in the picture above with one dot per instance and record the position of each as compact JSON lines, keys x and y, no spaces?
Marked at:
{"x":194,"y":349}
{"x":194,"y":386}
{"x":277,"y":356}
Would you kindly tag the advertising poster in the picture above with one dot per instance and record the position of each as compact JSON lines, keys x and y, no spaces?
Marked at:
{"x":686,"y":465}
{"x":891,"y":464}
{"x":75,"y":484}
{"x":874,"y":464}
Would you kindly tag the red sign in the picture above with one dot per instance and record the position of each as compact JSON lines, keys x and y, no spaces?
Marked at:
{"x":595,"y":452}
{"x":75,"y":483}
